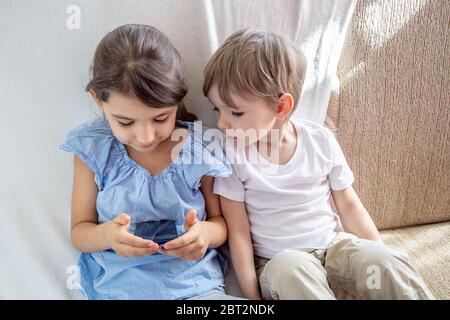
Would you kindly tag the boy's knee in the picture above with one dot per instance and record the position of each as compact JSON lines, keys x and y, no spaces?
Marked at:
{"x":295,"y":275}
{"x":372,"y":254}
{"x":290,"y":265}
{"x":385,"y":273}
{"x":377,"y":267}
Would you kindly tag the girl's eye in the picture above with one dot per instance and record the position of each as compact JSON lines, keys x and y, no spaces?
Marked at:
{"x":237,"y":114}
{"x":161,"y":119}
{"x":125,"y":124}
{"x":215,"y":109}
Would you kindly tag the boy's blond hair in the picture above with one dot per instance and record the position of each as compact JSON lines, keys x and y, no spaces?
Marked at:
{"x":256,"y":62}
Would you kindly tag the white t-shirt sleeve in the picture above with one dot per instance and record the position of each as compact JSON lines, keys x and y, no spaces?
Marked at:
{"x":230,"y":187}
{"x":341,"y":176}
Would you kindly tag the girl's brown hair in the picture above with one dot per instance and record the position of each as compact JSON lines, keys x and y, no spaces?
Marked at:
{"x":141,"y":62}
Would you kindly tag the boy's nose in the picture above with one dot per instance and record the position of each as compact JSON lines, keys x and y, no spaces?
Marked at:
{"x":222,"y":124}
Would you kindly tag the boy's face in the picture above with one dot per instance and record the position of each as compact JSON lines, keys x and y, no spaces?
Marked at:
{"x":137,"y":125}
{"x":253,"y":115}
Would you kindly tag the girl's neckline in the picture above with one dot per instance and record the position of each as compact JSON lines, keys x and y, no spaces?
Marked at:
{"x":187,"y":141}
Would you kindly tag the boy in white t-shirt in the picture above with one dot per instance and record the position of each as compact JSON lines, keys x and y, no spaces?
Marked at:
{"x":282,"y":199}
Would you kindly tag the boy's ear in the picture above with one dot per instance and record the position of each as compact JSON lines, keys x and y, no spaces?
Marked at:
{"x":285,"y":106}
{"x":97,"y":101}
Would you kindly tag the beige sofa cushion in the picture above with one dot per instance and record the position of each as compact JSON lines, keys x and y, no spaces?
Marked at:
{"x":428,"y":247}
{"x":393,"y":114}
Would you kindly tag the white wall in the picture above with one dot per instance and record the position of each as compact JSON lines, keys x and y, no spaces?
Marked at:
{"x":43,"y":71}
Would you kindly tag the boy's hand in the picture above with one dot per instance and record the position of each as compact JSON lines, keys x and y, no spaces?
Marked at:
{"x":126,"y":244}
{"x":193,"y":244}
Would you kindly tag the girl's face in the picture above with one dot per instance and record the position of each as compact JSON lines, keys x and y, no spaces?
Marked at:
{"x":137,"y":125}
{"x":252,"y":115}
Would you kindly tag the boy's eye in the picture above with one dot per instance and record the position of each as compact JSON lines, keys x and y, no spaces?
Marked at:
{"x":237,"y":114}
{"x":125,"y":124}
{"x":162,"y":119}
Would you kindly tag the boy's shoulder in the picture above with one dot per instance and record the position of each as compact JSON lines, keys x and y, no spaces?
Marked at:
{"x":314,"y":131}
{"x":312,"y":125}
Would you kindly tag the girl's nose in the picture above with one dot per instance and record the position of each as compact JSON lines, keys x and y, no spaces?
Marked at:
{"x":146,"y":135}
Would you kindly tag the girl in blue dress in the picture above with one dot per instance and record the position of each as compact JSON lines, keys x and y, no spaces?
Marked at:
{"x":143,"y":212}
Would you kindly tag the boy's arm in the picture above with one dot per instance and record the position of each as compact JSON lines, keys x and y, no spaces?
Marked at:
{"x":354,"y":216}
{"x":241,"y":248}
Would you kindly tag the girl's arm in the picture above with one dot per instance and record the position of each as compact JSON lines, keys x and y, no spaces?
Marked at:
{"x":241,"y":248}
{"x":87,"y":234}
{"x":215,"y":224}
{"x":354,"y":216}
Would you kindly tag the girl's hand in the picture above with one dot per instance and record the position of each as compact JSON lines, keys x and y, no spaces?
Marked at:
{"x":126,"y":244}
{"x":193,"y":244}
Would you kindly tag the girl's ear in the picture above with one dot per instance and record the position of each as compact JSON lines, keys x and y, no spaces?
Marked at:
{"x":97,"y":101}
{"x":285,"y":106}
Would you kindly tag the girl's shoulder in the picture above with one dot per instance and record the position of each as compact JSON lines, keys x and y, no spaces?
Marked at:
{"x":91,"y":138}
{"x":201,"y":154}
{"x":96,"y":128}
{"x":94,"y":143}
{"x":203,"y":141}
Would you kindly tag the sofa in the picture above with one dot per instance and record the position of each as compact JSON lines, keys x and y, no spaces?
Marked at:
{"x":391,"y":114}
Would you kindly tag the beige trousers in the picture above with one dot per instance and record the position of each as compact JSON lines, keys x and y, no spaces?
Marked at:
{"x":351,"y":268}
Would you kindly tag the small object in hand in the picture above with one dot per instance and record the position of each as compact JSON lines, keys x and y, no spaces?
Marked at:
{"x":161,"y":231}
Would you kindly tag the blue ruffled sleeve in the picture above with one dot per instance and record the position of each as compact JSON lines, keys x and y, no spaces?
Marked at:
{"x":203,"y":157}
{"x":91,"y":142}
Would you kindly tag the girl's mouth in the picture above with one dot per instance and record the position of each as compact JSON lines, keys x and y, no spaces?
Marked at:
{"x":146,"y":146}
